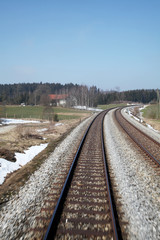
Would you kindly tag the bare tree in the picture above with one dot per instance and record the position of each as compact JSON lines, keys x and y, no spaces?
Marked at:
{"x":41,"y":95}
{"x":48,"y":113}
{"x":45,"y":100}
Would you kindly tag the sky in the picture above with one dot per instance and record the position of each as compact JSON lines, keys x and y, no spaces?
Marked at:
{"x":108,"y":44}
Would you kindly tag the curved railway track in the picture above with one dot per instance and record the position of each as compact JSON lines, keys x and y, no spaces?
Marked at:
{"x":86,"y":209}
{"x":147,"y":144}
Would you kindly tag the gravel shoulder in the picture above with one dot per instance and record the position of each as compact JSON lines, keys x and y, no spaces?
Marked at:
{"x":137,"y":183}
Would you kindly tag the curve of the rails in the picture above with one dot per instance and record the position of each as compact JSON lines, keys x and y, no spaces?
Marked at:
{"x":145,"y":142}
{"x":86,"y":206}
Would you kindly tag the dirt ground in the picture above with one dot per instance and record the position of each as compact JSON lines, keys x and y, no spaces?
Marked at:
{"x":17,"y":138}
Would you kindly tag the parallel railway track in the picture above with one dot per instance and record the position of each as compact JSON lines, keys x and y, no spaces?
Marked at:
{"x":147,"y":144}
{"x":86,"y":209}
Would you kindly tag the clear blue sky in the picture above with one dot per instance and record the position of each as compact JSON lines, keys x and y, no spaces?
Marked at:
{"x":104,"y":43}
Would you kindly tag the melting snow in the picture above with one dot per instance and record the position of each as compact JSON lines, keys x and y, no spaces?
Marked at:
{"x":21,"y":159}
{"x":88,"y":108}
{"x":17,"y":121}
{"x":140,"y":120}
{"x":42,"y":130}
{"x":58,"y":124}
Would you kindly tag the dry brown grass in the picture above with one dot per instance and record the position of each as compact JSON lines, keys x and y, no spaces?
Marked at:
{"x":154,"y":123}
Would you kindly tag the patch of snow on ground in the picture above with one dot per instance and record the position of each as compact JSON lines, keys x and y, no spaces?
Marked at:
{"x":88,"y":108}
{"x":7,"y":167}
{"x":58,"y":124}
{"x":22,"y":158}
{"x":143,"y":107}
{"x":130,"y":114}
{"x":139,"y":119}
{"x":149,"y":126}
{"x":42,"y":130}
{"x":17,"y":121}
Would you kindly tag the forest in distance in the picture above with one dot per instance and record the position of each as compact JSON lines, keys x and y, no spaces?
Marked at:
{"x":37,"y":94}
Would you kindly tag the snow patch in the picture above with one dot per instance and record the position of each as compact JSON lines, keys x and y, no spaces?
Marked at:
{"x":88,"y":108}
{"x":58,"y":124}
{"x":42,"y":130}
{"x":21,"y":159}
{"x":149,"y":126}
{"x":143,"y":107}
{"x":139,"y":119}
{"x":7,"y":167}
{"x":17,"y":121}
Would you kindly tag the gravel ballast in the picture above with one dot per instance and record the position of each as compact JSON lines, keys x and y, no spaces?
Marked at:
{"x":137,"y":182}
{"x":18,"y":215}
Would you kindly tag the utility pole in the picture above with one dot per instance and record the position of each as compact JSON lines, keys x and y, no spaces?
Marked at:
{"x":157,"y":103}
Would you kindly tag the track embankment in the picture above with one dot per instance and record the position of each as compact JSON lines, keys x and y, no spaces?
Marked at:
{"x":137,"y":181}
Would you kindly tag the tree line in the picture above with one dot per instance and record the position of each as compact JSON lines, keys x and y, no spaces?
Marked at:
{"x":38,"y":94}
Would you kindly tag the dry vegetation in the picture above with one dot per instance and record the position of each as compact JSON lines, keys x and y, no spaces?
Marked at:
{"x":19,"y":138}
{"x":155,"y":123}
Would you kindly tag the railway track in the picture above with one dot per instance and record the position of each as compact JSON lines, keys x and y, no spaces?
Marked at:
{"x":147,"y":144}
{"x":85,"y":208}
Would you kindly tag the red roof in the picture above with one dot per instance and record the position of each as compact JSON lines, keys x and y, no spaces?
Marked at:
{"x":58,"y":96}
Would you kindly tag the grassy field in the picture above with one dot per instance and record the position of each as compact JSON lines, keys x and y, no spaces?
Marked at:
{"x":104,"y":107}
{"x":151,"y":112}
{"x":37,"y":112}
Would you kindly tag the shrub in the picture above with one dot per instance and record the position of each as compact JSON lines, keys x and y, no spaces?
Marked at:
{"x":55,"y":118}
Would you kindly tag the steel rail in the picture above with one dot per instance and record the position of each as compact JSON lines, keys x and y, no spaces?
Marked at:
{"x":140,"y":145}
{"x":52,"y":228}
{"x":112,"y":205}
